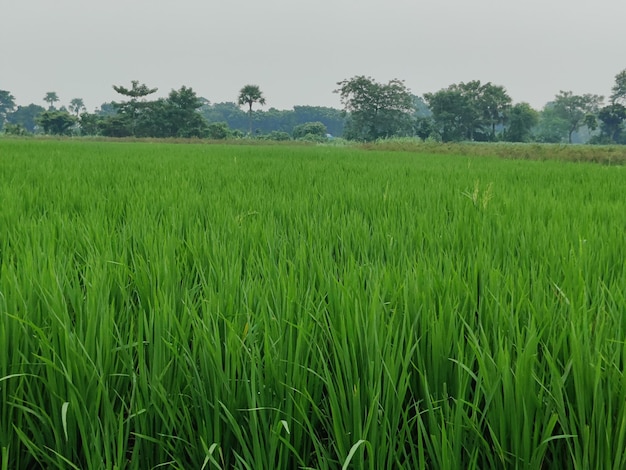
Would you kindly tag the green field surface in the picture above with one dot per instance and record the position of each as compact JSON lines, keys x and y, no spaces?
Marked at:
{"x":280,"y":307}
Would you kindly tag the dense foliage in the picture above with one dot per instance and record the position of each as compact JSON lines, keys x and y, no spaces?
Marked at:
{"x":376,"y":110}
{"x":308,"y":307}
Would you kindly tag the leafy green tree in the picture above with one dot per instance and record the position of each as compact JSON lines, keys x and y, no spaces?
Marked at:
{"x":249,"y":95}
{"x":311,"y":129}
{"x":106,"y":109}
{"x":618,"y":94}
{"x":574,"y":108}
{"x":181,"y":114}
{"x":552,"y":127}
{"x":56,"y":122}
{"x":425,"y":128}
{"x":421,"y":108}
{"x":26,"y":116}
{"x":474,"y":113}
{"x":7,"y":105}
{"x":376,"y":110}
{"x":76,"y":106}
{"x":51,"y":98}
{"x":495,"y":104}
{"x":612,"y":118}
{"x":115,"y":126}
{"x":131,"y":110}
{"x":454,"y":114}
{"x":522,"y":119}
{"x":469,"y":111}
{"x":90,"y":123}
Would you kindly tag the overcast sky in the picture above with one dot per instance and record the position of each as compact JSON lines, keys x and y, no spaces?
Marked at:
{"x":297,"y":51}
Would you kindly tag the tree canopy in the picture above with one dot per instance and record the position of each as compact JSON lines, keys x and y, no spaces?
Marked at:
{"x":76,"y":106}
{"x":51,"y":98}
{"x":7,"y":105}
{"x":130,"y":111}
{"x":376,"y":110}
{"x":618,"y":94}
{"x":56,"y":122}
{"x":612,"y":118}
{"x":522,"y":119}
{"x":575,"y":108}
{"x":469,"y":111}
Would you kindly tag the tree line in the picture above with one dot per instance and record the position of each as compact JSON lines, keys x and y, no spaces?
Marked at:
{"x":466,"y":111}
{"x":182,"y":114}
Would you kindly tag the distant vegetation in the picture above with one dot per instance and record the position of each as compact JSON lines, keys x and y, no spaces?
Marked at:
{"x":466,"y":111}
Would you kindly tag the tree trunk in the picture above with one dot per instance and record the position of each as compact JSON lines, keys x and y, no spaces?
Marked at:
{"x":250,"y":119}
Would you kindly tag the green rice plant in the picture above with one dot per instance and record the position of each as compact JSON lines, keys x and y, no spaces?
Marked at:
{"x":232,"y":306}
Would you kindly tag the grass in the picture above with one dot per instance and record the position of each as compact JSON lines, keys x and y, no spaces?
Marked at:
{"x":604,"y":154}
{"x":196,"y":306}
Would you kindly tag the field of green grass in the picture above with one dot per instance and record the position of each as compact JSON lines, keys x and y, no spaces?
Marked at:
{"x":260,"y":307}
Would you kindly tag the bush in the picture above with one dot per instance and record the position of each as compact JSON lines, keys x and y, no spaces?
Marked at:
{"x":315,"y":129}
{"x":278,"y":135}
{"x":15,"y":129}
{"x":218,"y":131}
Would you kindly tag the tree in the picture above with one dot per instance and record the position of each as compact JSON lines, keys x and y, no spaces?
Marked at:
{"x":249,"y":95}
{"x":130,"y":110}
{"x":574,"y":109}
{"x":495,"y":105}
{"x":56,"y":122}
{"x":425,"y":128}
{"x":77,"y":105}
{"x":522,"y":118}
{"x":552,"y":127}
{"x":454,"y":115}
{"x":474,"y":113}
{"x":115,"y":126}
{"x":619,"y":89}
{"x":90,"y":124}
{"x":26,"y":116}
{"x":612,"y":117}
{"x":376,"y":110}
{"x":181,"y":109}
{"x":106,"y":109}
{"x":469,"y":111}
{"x":51,"y":98}
{"x":7,"y":105}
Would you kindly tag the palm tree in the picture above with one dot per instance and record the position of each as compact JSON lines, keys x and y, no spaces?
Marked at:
{"x":51,"y":98}
{"x":249,"y":95}
{"x":77,"y":105}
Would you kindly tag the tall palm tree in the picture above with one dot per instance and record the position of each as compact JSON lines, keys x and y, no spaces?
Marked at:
{"x":77,"y":105}
{"x":51,"y":98}
{"x":249,"y":95}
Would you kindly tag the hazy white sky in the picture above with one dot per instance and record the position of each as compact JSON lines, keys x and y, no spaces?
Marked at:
{"x":297,"y":51}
